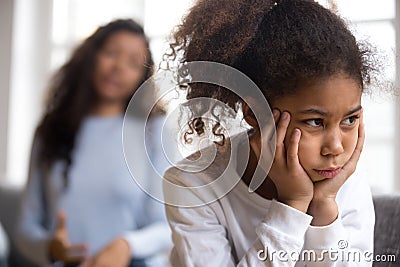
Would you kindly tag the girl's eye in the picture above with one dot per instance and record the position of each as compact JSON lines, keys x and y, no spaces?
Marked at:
{"x":350,"y":120}
{"x":314,"y":122}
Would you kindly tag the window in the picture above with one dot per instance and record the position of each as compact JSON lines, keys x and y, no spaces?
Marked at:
{"x":73,"y":20}
{"x":376,"y":23}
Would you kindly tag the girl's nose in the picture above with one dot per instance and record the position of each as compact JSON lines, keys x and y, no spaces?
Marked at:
{"x":332,"y":145}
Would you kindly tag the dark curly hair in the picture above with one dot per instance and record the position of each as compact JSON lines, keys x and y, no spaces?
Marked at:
{"x":72,"y":95}
{"x":281,"y":45}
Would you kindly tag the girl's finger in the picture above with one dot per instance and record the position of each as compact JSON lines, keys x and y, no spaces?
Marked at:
{"x":276,"y":114}
{"x":292,"y":153}
{"x":282,"y":127}
{"x":281,"y":134}
{"x":351,"y":164}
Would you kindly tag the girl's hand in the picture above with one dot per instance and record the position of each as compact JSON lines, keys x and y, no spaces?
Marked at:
{"x":323,"y":206}
{"x":293,"y":185}
{"x":60,"y":248}
{"x":116,"y":254}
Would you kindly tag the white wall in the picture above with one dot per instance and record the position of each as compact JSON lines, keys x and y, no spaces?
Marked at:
{"x":6,"y":22}
{"x":30,"y":49}
{"x":29,"y":73}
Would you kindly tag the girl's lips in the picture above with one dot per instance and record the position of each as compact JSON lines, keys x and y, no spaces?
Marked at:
{"x":329,"y":173}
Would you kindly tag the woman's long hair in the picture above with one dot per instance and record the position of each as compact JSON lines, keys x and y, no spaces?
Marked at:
{"x":72,"y":95}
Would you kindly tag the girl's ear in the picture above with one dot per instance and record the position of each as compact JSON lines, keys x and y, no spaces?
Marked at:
{"x":248,"y":114}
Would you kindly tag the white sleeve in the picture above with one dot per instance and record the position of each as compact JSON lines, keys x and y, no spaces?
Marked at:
{"x":201,"y":240}
{"x":32,"y":239}
{"x":150,"y":240}
{"x":350,"y":237}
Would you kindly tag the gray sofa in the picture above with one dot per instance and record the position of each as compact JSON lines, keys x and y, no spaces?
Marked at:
{"x":387,"y":227}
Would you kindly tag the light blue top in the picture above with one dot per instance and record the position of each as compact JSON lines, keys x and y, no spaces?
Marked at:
{"x":101,"y":201}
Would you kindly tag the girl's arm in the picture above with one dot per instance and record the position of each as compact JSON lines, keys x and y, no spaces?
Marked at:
{"x":352,"y":233}
{"x":200,"y":239}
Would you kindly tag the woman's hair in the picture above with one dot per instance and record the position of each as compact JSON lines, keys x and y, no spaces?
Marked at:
{"x":72,"y":95}
{"x":281,"y":45}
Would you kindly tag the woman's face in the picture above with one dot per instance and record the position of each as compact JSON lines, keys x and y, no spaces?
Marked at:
{"x":327,"y":115}
{"x":120,"y":66}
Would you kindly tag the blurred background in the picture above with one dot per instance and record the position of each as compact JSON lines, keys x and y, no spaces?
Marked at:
{"x":37,"y":36}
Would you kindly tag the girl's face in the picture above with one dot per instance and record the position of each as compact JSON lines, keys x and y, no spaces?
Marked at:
{"x":120,"y":66}
{"x":327,"y":115}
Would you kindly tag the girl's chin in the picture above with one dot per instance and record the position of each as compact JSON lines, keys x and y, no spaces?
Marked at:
{"x":317,"y":179}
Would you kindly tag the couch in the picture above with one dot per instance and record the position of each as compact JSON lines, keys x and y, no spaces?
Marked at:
{"x":387,"y":226}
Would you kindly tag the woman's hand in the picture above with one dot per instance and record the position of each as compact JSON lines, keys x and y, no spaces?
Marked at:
{"x":323,"y":206}
{"x":116,"y":254}
{"x":60,"y":249}
{"x":293,"y":185}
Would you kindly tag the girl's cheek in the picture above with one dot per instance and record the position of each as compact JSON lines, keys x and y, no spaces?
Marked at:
{"x":309,"y":151}
{"x":289,"y":133}
{"x":305,"y":146}
{"x":351,"y":141}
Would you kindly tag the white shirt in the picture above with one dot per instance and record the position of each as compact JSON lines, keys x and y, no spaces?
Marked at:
{"x":236,"y":229}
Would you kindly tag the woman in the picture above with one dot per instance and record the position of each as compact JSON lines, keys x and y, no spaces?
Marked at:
{"x":81,"y":206}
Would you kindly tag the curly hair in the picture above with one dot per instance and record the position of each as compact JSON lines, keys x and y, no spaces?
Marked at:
{"x":72,"y":94}
{"x":281,"y":45}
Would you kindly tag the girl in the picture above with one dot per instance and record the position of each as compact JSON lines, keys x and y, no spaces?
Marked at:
{"x":81,"y":206}
{"x":310,"y":210}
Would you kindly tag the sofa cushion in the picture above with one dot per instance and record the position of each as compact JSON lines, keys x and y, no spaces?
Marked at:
{"x":387,"y":228}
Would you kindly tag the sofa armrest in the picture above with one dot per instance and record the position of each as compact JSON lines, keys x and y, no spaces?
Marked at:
{"x":387,"y":227}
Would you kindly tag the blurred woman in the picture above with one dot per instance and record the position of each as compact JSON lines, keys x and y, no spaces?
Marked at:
{"x":81,"y":206}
